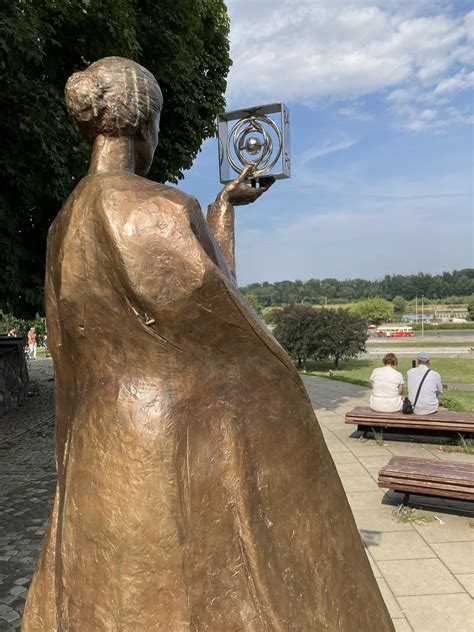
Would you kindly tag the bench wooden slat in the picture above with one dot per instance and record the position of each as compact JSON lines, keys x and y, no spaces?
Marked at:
{"x":443,"y":415}
{"x":426,"y":476}
{"x":429,"y":469}
{"x":394,"y":481}
{"x":446,"y":421}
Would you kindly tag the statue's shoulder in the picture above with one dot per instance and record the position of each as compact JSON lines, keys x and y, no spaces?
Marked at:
{"x":130,"y":187}
{"x":120,"y":196}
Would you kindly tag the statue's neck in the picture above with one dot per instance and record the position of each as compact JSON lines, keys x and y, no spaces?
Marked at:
{"x":112,"y":153}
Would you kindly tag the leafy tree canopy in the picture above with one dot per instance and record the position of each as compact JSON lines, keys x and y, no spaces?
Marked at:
{"x":374,"y":310}
{"x":184,"y":44}
{"x":253,"y":300}
{"x":294,"y":330}
{"x":305,"y":332}
{"x":22,"y":325}
{"x":399,"y":303}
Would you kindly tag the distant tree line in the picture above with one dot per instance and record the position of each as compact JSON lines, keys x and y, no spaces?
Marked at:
{"x":318,"y":292}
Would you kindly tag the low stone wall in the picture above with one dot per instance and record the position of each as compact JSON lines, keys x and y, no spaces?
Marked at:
{"x":13,"y":373}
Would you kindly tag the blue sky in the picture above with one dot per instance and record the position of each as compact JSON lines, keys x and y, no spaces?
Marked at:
{"x":381,"y":102}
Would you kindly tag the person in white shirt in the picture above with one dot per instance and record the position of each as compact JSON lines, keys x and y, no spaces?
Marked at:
{"x":387,"y":386}
{"x":427,"y":402}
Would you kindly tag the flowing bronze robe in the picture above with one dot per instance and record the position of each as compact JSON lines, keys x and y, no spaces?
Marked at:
{"x":195,"y":491}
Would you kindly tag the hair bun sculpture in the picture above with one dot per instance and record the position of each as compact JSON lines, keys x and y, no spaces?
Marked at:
{"x":113,"y":96}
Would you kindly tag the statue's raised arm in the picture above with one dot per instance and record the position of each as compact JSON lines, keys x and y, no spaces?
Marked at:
{"x":221,"y":217}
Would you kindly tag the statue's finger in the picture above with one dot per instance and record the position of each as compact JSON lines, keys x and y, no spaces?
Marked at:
{"x":245,"y":173}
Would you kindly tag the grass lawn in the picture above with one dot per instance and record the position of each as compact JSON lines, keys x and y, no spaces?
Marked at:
{"x":458,"y":400}
{"x":452,"y":370}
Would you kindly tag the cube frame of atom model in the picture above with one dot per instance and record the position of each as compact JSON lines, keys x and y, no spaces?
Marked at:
{"x":258,"y":136}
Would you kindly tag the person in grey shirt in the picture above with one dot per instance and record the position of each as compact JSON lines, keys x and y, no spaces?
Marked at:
{"x":428,"y":399}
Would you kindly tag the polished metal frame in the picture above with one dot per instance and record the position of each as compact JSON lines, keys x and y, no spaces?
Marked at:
{"x":235,"y":127}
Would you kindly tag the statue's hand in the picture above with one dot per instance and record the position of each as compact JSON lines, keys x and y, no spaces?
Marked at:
{"x":240,"y":192}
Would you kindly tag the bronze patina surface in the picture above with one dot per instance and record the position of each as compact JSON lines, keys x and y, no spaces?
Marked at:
{"x":195,"y":490}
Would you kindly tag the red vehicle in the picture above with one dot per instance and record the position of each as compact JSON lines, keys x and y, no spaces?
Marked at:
{"x":394,"y":332}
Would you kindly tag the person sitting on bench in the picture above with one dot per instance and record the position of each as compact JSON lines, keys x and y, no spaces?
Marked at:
{"x":387,"y":386}
{"x":427,"y":402}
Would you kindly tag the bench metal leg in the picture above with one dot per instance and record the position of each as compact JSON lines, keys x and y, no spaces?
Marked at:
{"x":364,"y":430}
{"x":406,"y":497}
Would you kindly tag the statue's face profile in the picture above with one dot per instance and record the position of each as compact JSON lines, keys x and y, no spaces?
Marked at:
{"x":146,"y":143}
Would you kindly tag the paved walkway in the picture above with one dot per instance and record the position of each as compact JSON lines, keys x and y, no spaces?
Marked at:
{"x":425,"y":570}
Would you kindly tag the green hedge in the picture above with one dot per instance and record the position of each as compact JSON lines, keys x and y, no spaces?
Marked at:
{"x":444,"y":326}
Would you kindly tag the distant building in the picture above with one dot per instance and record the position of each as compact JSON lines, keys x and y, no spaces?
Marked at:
{"x":440,"y":315}
{"x":452,"y":314}
{"x":416,"y":318}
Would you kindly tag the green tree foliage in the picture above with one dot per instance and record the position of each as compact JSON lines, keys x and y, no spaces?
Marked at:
{"x":434,"y":287}
{"x":253,"y":300}
{"x":22,"y":325}
{"x":471,"y":310}
{"x":335,"y":334}
{"x":184,"y":44}
{"x":294,"y":330}
{"x":374,"y":310}
{"x":270,"y":314}
{"x":339,"y":334}
{"x":399,"y":304}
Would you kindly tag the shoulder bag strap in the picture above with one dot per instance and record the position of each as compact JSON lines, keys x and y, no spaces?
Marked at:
{"x":419,"y":388}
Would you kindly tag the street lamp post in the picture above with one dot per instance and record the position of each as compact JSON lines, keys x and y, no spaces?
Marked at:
{"x":422,"y":317}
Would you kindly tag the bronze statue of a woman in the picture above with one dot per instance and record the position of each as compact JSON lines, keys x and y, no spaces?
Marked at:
{"x":195,"y":490}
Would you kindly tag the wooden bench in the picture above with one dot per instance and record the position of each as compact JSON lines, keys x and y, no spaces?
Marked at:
{"x":428,"y":477}
{"x":442,"y":421}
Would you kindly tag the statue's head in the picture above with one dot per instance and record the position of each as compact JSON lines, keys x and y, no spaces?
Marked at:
{"x":117,"y":97}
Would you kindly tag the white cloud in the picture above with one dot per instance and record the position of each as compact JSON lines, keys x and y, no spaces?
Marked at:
{"x":322,"y":150}
{"x":308,"y":50}
{"x":460,"y":81}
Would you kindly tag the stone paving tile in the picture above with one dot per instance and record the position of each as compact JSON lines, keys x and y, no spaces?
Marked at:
{"x":458,"y":556}
{"x":446,"y":528}
{"x":390,"y":601}
{"x":343,"y":457}
{"x":398,"y":545}
{"x":439,"y":613}
{"x":366,"y":449}
{"x":350,"y":469}
{"x":363,"y":483}
{"x":365,"y":500}
{"x":373,"y":463}
{"x":382,"y":521}
{"x":467,"y":580}
{"x":419,"y":577}
{"x":402,"y":625}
